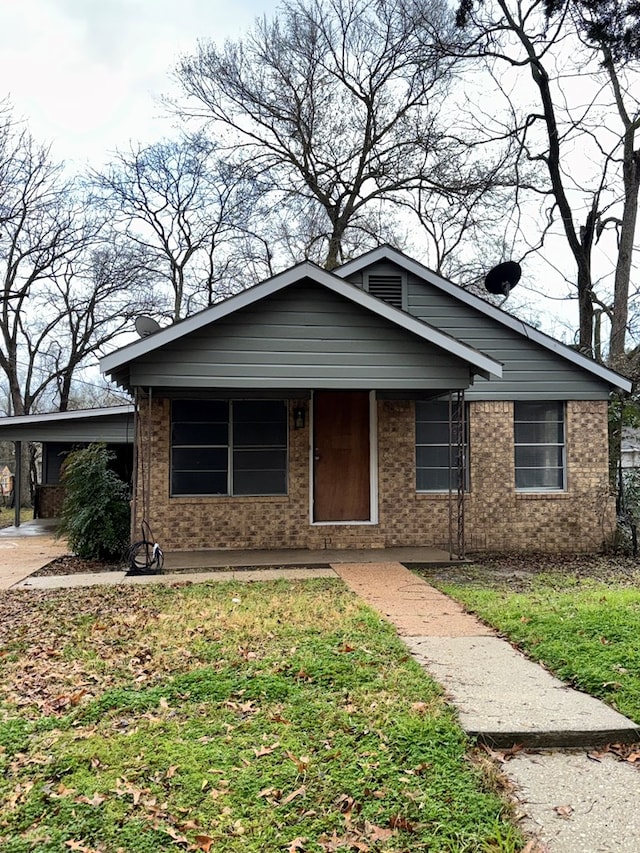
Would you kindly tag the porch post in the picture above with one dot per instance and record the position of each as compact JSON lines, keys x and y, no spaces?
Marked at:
{"x":17,"y":483}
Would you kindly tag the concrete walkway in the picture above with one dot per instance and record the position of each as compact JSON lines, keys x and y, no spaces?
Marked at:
{"x":25,"y":549}
{"x":572,"y":800}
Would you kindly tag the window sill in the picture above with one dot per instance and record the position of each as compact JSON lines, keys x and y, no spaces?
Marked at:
{"x":543,"y":496}
{"x":439,"y":496}
{"x":235,"y":499}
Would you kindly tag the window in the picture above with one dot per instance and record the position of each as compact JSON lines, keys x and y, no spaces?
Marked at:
{"x":437,"y":451}
{"x":222,"y":447}
{"x":539,"y":445}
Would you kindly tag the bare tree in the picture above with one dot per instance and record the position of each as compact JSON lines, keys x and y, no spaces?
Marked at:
{"x":40,"y":230}
{"x":582,"y":135}
{"x":182,"y":207}
{"x":334,"y":106}
{"x":66,"y":291}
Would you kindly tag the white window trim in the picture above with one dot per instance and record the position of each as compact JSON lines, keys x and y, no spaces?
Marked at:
{"x":563,"y":445}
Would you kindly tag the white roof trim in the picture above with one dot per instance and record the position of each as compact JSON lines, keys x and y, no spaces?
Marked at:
{"x":484,"y":364}
{"x":75,"y":415}
{"x":419,"y":270}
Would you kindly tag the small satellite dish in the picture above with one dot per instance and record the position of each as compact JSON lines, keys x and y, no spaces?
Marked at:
{"x":503,"y":278}
{"x":146,"y":326}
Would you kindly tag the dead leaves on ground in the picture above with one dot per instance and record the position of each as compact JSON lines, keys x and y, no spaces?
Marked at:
{"x":629,"y":752}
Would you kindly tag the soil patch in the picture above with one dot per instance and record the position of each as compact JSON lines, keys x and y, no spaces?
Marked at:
{"x":516,"y":570}
{"x":72,"y":565}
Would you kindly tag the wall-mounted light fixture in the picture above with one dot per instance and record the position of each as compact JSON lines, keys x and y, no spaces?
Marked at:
{"x":299,"y":417}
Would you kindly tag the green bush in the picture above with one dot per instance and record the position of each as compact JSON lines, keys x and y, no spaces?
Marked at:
{"x":95,"y":513}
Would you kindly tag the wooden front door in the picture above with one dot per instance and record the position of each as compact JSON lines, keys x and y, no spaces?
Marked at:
{"x":341,"y":476}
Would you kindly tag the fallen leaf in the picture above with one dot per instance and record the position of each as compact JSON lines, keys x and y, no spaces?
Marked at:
{"x":297,"y":844}
{"x":564,"y":811}
{"x":96,"y":800}
{"x":265,"y":750}
{"x":299,"y":792}
{"x":301,"y":763}
{"x":378,"y":833}
{"x":400,"y":822}
{"x":204,"y":842}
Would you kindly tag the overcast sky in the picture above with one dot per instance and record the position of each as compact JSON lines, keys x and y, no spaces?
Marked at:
{"x":87,"y":75}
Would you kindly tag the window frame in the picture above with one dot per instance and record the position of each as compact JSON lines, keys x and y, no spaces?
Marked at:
{"x":450,"y":445}
{"x":532,"y":445}
{"x":233,"y":447}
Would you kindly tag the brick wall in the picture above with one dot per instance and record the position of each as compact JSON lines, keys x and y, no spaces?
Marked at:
{"x":49,"y":500}
{"x":496,"y":517}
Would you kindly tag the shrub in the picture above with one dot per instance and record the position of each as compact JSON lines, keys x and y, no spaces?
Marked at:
{"x":95,"y":513}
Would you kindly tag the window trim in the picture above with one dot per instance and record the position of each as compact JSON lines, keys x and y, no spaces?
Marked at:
{"x":562,"y":408}
{"x":230,"y":450}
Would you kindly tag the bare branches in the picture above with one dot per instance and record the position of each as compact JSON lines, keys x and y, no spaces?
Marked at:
{"x":581,"y":126}
{"x":333,"y":102}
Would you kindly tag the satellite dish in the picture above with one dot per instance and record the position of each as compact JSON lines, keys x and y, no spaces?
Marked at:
{"x":503,"y":278}
{"x":146,"y":326}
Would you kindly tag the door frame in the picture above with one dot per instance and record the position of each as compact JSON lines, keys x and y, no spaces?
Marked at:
{"x":373,"y":463}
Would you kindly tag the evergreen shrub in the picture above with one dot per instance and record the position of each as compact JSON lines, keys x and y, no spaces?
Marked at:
{"x":95,"y":512}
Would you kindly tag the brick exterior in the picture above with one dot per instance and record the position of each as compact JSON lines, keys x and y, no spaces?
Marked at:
{"x":497,"y":518}
{"x":49,"y":500}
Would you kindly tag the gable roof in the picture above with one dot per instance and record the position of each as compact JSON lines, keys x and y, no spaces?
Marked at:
{"x":415,"y":268}
{"x":479,"y":362}
{"x":113,"y":424}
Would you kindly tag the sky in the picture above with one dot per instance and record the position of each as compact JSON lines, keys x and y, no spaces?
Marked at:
{"x":88,"y":75}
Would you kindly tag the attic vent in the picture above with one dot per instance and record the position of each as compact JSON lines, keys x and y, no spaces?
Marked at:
{"x":387,"y":287}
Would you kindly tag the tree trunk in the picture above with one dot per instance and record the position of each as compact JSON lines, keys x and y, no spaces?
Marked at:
{"x":631,"y":171}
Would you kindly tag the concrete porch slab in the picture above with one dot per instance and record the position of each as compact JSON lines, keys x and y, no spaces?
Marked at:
{"x":178,"y":561}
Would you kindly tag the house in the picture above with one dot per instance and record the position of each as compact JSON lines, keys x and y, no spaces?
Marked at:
{"x":6,"y":482}
{"x":630,"y":449}
{"x":375,"y":405}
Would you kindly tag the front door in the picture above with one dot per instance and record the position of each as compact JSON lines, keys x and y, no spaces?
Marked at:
{"x":341,"y":469}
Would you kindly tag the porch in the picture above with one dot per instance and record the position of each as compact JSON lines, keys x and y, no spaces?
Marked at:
{"x":188,"y":561}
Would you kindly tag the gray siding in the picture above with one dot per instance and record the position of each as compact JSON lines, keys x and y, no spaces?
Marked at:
{"x":111,"y":430}
{"x":530,"y":371}
{"x":304,"y":336}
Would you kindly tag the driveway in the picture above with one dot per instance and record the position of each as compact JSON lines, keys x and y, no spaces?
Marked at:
{"x":26,"y":549}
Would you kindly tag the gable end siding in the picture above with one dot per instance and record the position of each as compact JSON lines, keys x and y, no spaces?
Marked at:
{"x":302,"y":337}
{"x":530,"y":372}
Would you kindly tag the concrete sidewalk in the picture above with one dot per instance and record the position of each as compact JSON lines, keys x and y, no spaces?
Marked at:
{"x":572,"y":801}
{"x":25,"y":549}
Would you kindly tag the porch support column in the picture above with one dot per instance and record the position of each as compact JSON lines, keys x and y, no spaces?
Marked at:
{"x":17,"y":483}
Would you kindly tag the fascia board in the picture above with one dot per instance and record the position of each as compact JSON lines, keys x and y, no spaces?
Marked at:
{"x":388,"y":253}
{"x":75,"y":415}
{"x":483,"y":363}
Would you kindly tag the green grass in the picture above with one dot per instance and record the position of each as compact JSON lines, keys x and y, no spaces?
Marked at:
{"x":262,"y":717}
{"x":584,"y":630}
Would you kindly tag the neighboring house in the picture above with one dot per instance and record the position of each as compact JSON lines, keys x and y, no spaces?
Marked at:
{"x":6,"y":481}
{"x":61,"y":432}
{"x":375,"y":405}
{"x":630,"y":448}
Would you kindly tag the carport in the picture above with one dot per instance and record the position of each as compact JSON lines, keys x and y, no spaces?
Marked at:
{"x":61,"y":432}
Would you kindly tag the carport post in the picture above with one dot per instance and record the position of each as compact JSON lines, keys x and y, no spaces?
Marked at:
{"x":17,"y":483}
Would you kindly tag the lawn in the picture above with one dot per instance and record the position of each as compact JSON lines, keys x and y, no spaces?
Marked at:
{"x":7,"y":515}
{"x":276,"y":716}
{"x":580,"y":618}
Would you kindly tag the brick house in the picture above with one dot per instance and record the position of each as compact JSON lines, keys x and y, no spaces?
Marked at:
{"x":376,"y":405}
